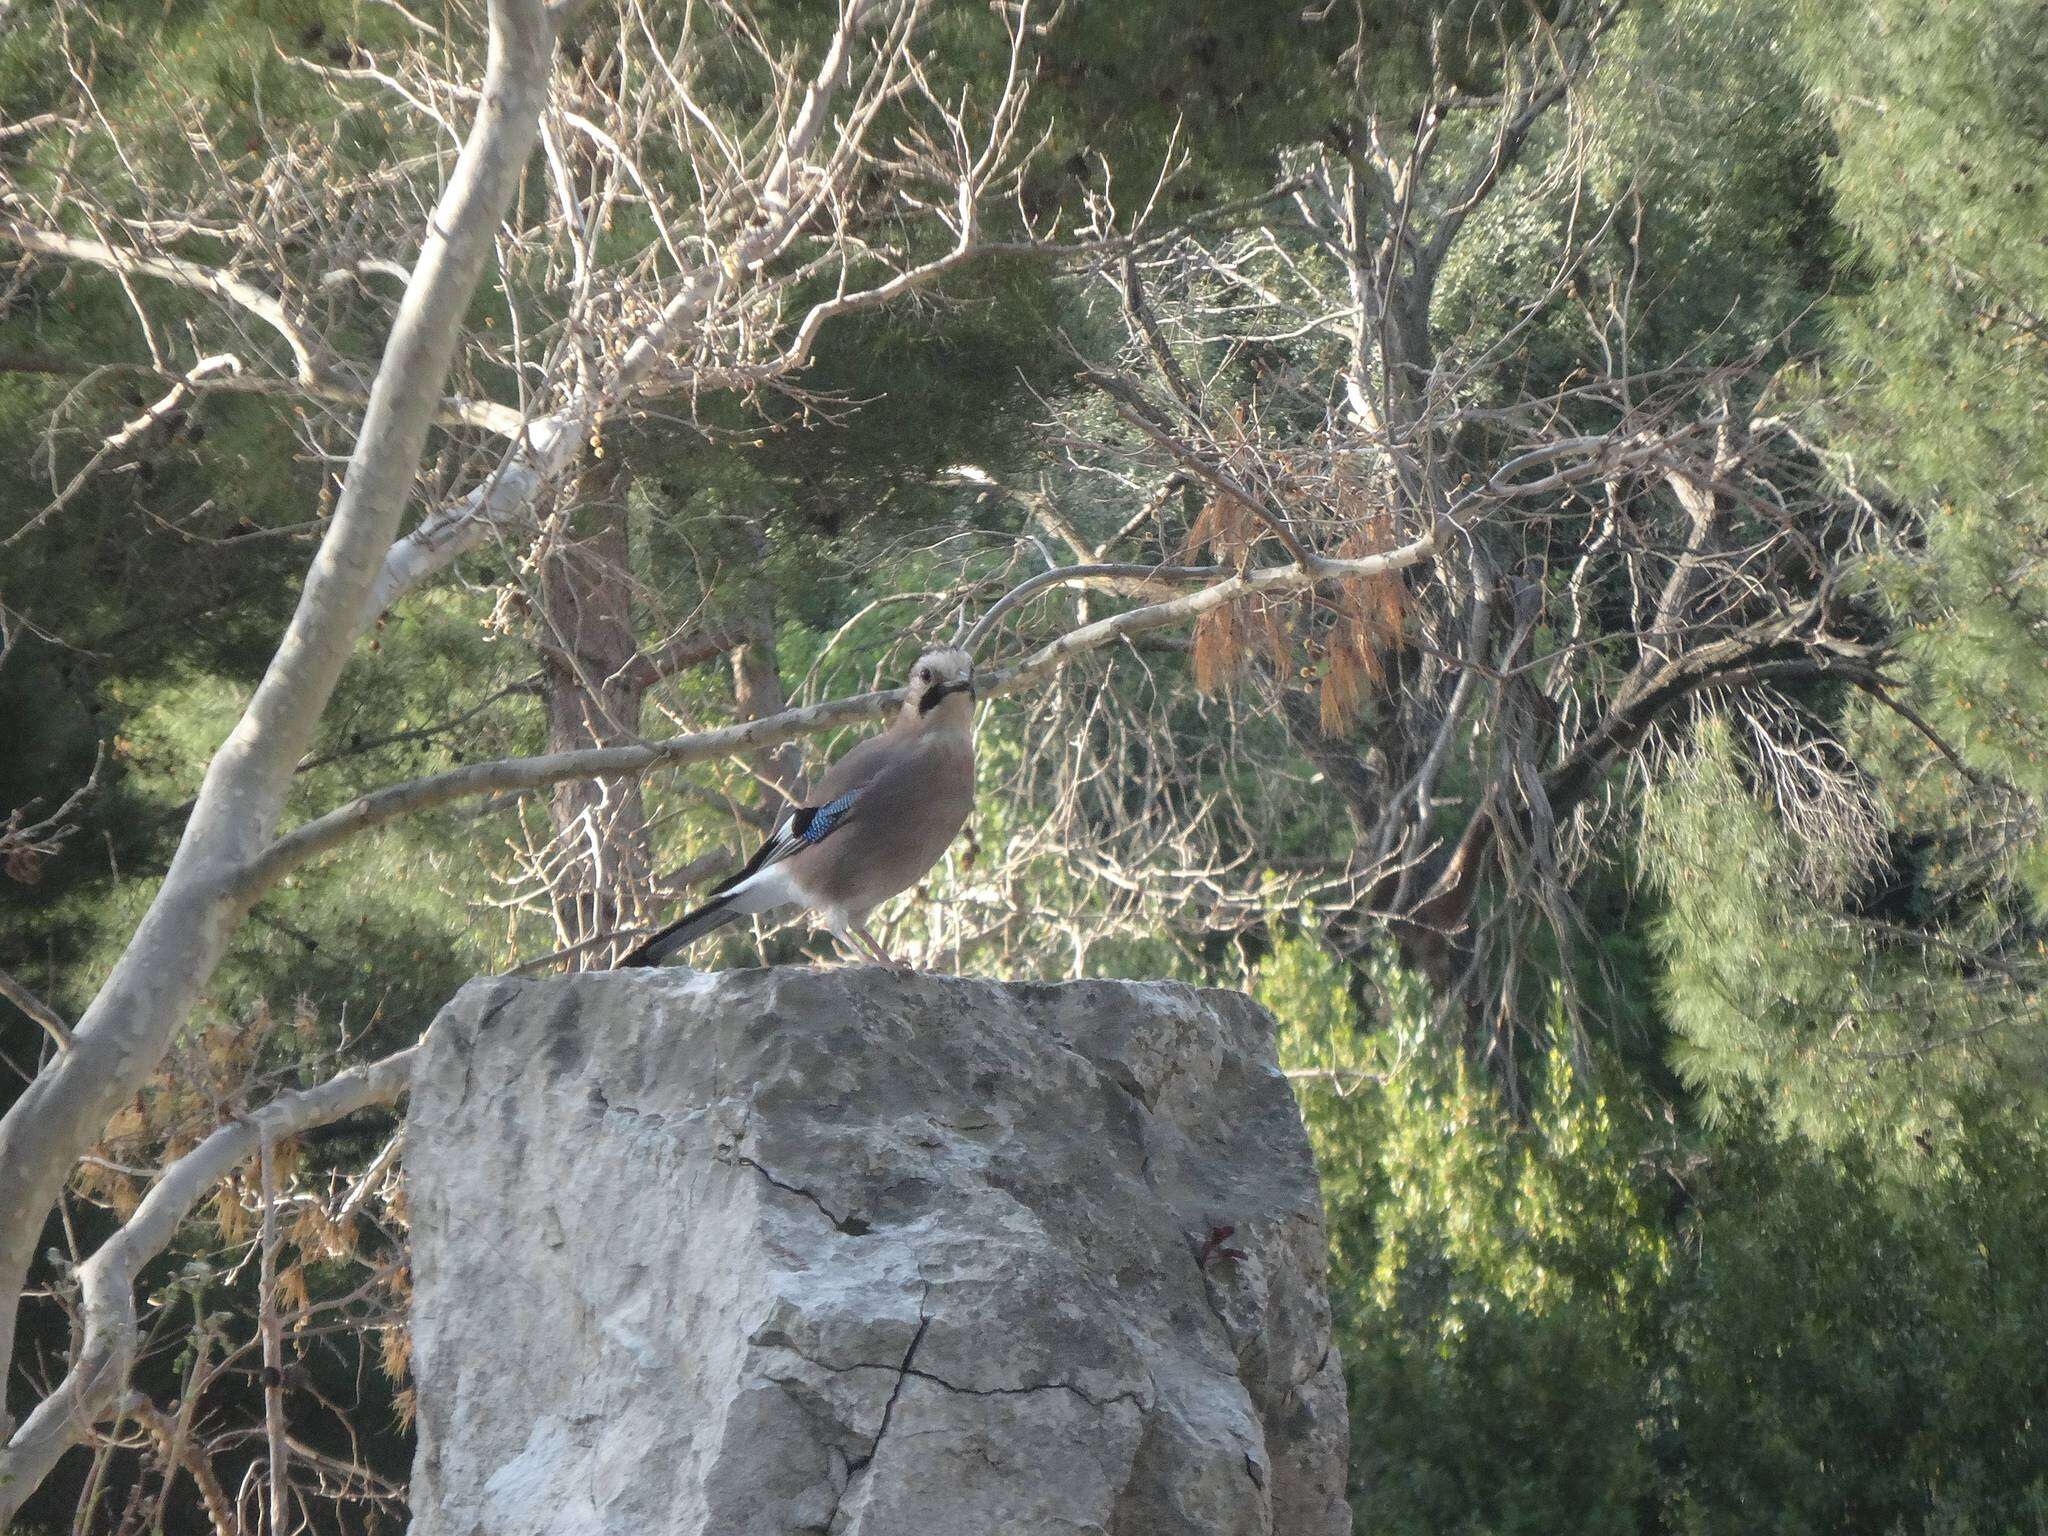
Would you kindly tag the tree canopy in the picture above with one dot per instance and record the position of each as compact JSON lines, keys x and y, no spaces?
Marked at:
{"x":1513,"y":532}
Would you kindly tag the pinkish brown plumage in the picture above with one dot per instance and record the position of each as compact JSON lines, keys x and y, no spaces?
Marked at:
{"x":878,"y":820}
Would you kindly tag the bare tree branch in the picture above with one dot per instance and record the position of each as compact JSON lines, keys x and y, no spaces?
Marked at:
{"x":512,"y":775}
{"x":51,"y":1021}
{"x":93,"y":1387}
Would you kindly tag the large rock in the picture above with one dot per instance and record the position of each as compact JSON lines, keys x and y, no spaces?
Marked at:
{"x":854,"y":1252}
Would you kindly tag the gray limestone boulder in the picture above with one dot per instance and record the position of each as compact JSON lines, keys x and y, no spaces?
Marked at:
{"x":867,"y":1254}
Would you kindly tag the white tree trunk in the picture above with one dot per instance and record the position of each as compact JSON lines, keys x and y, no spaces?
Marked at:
{"x":159,"y":976}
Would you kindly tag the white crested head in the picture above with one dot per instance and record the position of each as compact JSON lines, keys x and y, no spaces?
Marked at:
{"x":941,"y":690}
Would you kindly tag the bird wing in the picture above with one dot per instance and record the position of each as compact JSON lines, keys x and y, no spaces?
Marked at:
{"x":804,"y":827}
{"x":834,"y":796}
{"x":859,"y":766}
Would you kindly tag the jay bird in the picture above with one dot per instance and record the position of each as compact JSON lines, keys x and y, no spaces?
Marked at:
{"x":878,"y":820}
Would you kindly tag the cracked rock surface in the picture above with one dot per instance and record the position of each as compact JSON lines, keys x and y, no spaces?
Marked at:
{"x":865,"y":1254}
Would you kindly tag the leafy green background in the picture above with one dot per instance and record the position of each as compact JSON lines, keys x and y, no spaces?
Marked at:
{"x":1772,"y":1256}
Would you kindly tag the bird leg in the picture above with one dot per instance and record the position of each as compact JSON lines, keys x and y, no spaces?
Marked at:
{"x":874,"y":949}
{"x":850,"y":952}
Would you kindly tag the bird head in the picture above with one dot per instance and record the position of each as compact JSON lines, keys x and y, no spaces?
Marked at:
{"x":941,"y":690}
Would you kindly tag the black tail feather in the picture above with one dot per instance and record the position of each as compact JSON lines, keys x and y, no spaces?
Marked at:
{"x":681,"y":933}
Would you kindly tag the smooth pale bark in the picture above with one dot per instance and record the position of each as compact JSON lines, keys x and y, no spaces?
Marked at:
{"x":160,"y":975}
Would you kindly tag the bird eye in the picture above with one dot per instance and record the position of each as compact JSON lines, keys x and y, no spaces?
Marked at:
{"x":924,"y":674}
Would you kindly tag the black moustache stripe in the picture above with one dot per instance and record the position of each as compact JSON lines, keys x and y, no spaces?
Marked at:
{"x":935,"y":695}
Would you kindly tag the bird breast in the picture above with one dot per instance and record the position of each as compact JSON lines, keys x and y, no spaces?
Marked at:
{"x":902,"y":824}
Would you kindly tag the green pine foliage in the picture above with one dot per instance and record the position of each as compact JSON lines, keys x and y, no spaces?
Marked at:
{"x":1852,"y":1352}
{"x":1775,"y":982}
{"x":1873,"y":990}
{"x":1596,"y":1317}
{"x":1756,"y":1244}
{"x":1941,"y":128}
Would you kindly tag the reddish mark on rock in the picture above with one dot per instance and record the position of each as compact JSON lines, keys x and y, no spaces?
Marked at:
{"x":1212,"y":1247}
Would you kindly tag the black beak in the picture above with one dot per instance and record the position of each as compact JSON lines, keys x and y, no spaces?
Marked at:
{"x":936,"y":695}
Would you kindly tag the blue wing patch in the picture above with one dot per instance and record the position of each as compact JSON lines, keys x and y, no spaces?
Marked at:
{"x":816,"y":823}
{"x":807,"y":826}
